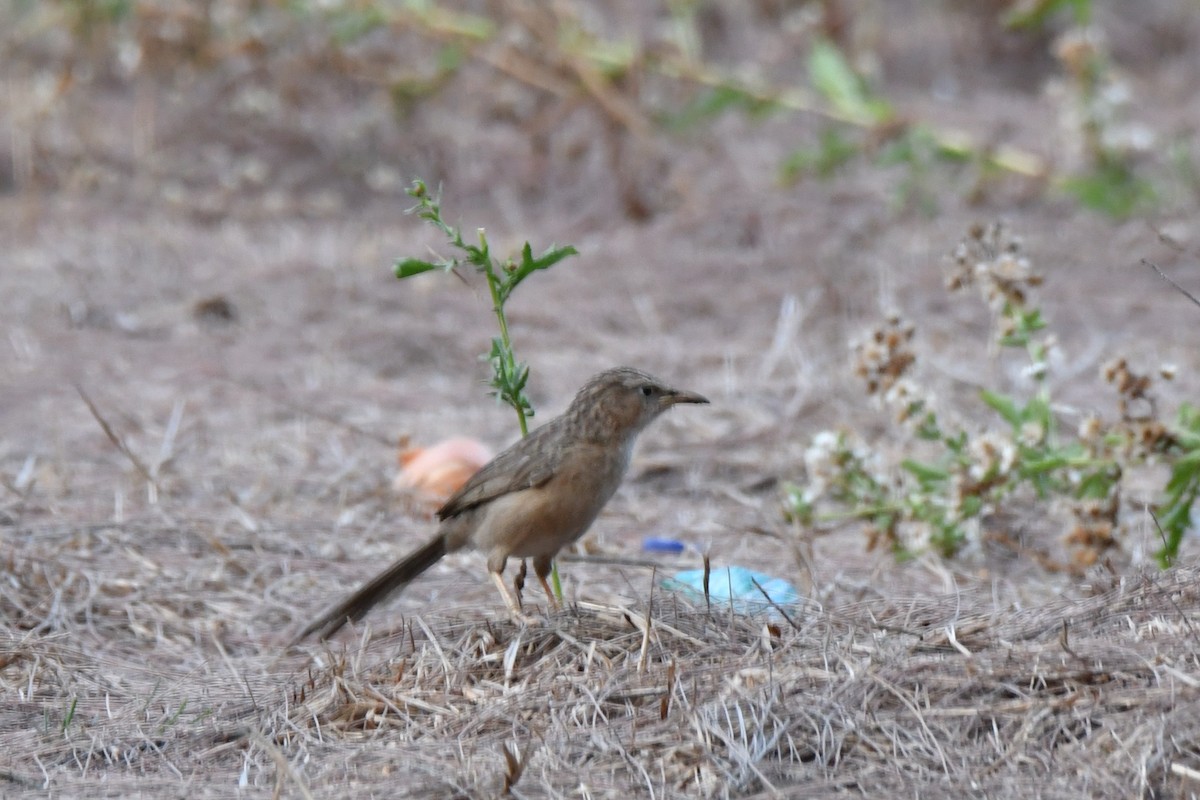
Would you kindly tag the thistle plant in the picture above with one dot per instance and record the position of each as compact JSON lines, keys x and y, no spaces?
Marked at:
{"x":509,"y":375}
{"x":942,"y":501}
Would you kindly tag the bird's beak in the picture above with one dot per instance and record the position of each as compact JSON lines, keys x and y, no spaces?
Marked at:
{"x":675,"y":397}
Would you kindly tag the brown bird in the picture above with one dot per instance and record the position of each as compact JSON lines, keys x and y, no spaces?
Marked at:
{"x":534,"y":498}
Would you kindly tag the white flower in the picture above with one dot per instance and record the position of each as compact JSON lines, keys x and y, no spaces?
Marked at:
{"x":991,"y":455}
{"x":915,"y":535}
{"x":819,"y":457}
{"x":1032,"y":433}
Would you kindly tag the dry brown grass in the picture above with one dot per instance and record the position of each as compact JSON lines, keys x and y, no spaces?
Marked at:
{"x":135,"y":678}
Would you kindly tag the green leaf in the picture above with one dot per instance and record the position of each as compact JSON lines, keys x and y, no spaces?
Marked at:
{"x":1184,"y":474}
{"x":1113,"y":189}
{"x":1033,"y":467}
{"x":1025,"y":324}
{"x":926,"y":474}
{"x":450,"y":58}
{"x":971,"y":506}
{"x":1003,"y":405}
{"x":844,"y":88}
{"x":928,"y":428}
{"x":407,"y":267}
{"x":1097,"y":485}
{"x":715,"y":101}
{"x":947,"y":538}
{"x":351,"y":24}
{"x":956,"y":444}
{"x":1035,"y":15}
{"x":1177,"y":516}
{"x":1038,"y":410}
{"x":530,"y":265}
{"x":833,"y":151}
{"x":554,"y":255}
{"x":522,"y":377}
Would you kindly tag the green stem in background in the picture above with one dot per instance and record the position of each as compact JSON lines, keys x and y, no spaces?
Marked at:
{"x":522,"y":419}
{"x":505,"y":352}
{"x":473,"y":32}
{"x":509,"y":376}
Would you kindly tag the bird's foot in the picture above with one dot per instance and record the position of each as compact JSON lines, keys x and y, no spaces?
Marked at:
{"x":514,"y":606}
{"x":521,"y":618}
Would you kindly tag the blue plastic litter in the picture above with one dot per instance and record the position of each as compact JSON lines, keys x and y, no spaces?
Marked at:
{"x":737,"y":585}
{"x":658,"y":544}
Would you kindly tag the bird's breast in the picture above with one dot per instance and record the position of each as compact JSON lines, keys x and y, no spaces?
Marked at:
{"x":542,"y":520}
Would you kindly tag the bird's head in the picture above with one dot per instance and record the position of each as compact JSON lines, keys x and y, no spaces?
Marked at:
{"x":618,"y":403}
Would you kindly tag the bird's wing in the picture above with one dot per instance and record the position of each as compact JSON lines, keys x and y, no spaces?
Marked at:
{"x":530,"y":462}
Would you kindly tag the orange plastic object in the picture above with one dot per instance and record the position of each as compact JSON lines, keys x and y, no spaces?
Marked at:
{"x":438,"y":471}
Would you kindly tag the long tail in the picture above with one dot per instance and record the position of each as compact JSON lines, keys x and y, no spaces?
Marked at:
{"x":392,"y":579}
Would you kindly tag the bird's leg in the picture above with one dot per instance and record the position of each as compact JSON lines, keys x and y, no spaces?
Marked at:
{"x":519,"y":582}
{"x":541,"y":567}
{"x":496,"y":570}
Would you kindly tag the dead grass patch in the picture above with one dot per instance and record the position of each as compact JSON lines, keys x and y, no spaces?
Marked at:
{"x":150,"y":692}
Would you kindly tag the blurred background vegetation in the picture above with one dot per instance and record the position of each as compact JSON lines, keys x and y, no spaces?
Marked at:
{"x":332,"y":99}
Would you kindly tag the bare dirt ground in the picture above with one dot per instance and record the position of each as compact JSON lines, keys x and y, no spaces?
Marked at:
{"x":201,"y":242}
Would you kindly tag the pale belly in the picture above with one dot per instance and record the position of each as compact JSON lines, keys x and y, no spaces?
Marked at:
{"x":541,"y":521}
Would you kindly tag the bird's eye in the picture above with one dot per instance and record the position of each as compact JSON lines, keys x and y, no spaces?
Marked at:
{"x":647,"y":390}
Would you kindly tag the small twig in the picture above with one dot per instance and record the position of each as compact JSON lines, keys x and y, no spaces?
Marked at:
{"x":166,"y":450}
{"x":237,"y":674}
{"x":644,"y":656}
{"x":771,"y":602}
{"x":1166,"y":238}
{"x":510,"y":656}
{"x":664,"y":705}
{"x":1161,"y":533}
{"x":1166,"y":278}
{"x":514,"y":766}
{"x":447,"y":669}
{"x":952,"y":638}
{"x":1182,"y":771}
{"x":113,"y":437}
{"x":1064,"y":639}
